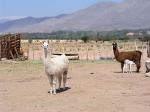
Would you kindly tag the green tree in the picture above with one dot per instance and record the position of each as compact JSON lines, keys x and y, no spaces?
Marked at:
{"x":85,"y":39}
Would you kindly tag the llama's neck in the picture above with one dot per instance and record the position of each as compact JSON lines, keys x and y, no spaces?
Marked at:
{"x":116,"y":52}
{"x":45,"y":55}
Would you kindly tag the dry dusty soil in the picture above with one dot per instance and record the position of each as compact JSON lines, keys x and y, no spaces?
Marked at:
{"x":91,"y":87}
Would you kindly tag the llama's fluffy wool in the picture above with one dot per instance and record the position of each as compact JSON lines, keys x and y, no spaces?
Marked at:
{"x":55,"y":68}
{"x":56,"y":65}
{"x":128,"y":66}
{"x":147,"y":65}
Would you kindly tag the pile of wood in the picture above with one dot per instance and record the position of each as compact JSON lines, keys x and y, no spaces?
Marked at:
{"x":10,"y":46}
{"x":70,"y":56}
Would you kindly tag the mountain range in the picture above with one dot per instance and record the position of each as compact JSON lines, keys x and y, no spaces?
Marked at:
{"x":102,"y":16}
{"x":10,"y":18}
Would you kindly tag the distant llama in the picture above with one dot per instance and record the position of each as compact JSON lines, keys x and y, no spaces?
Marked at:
{"x":134,"y":56}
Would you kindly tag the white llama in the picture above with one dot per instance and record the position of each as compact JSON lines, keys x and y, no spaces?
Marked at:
{"x":128,"y":66}
{"x":147,"y":65}
{"x":55,"y":68}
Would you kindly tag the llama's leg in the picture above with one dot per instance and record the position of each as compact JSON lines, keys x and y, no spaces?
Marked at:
{"x":124,"y":68}
{"x":128,"y":68}
{"x":50,"y":77}
{"x":64,"y":79}
{"x":59,"y":81}
{"x":122,"y":64}
{"x":54,"y":84}
{"x":131,"y":68}
{"x":138,"y":65}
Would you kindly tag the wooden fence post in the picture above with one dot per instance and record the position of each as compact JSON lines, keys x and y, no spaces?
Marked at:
{"x":136,"y":48}
{"x":33,"y":50}
{"x":87,"y":51}
{"x":148,"y":49}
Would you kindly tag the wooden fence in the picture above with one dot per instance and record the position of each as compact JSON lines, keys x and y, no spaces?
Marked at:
{"x":83,"y":51}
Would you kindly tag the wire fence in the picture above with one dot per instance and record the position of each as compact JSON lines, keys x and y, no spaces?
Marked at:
{"x":86,"y":51}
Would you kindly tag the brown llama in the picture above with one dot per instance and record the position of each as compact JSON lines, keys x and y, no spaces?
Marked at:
{"x":134,"y":56}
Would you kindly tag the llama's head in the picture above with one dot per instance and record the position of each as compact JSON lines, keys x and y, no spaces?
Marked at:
{"x":45,"y":45}
{"x":114,"y":44}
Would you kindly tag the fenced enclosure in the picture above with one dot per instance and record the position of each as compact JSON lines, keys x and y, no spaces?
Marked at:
{"x":85,"y":51}
{"x":20,"y":82}
{"x":10,"y":46}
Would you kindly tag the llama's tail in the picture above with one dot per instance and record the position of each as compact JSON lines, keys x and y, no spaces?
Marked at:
{"x":140,"y":55}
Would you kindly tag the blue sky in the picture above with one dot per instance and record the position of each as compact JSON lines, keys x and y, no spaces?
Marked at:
{"x":40,"y":8}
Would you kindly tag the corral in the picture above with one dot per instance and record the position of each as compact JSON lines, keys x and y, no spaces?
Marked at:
{"x":96,"y":85}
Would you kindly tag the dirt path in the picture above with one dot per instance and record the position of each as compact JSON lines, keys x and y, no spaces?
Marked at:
{"x":92,"y":87}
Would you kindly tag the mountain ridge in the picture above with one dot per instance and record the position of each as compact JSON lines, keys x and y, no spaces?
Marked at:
{"x":102,"y":16}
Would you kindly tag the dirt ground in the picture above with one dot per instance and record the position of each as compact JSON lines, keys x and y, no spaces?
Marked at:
{"x":92,"y":87}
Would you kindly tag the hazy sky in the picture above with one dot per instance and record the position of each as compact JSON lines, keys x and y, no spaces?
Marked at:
{"x":39,"y":8}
